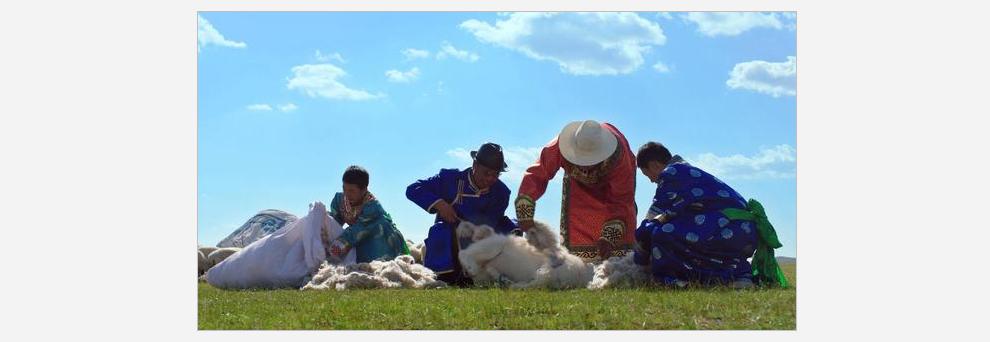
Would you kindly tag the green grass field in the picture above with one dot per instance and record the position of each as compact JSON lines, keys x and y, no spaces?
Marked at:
{"x":467,"y":309}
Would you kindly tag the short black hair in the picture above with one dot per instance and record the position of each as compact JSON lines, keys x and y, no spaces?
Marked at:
{"x":356,"y":175}
{"x":652,"y":151}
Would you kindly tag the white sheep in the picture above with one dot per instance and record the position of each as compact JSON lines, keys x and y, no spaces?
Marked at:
{"x":416,"y":251}
{"x":204,"y":264}
{"x":207,"y":250}
{"x":220,"y":254}
{"x":534,"y":261}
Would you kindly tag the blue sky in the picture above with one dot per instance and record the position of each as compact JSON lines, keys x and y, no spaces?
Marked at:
{"x":286,"y":101}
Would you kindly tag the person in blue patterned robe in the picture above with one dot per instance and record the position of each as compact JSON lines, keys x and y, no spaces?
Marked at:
{"x":685,"y":237}
{"x":369,"y":227}
{"x":474,"y":195}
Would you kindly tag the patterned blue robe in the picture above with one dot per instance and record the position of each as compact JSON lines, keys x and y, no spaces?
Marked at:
{"x":697,"y":242}
{"x":478,"y":207}
{"x":374,"y":234}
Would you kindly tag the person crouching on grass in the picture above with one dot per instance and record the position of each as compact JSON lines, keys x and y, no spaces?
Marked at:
{"x":700,"y":229}
{"x":369,"y":228}
{"x":475,"y":195}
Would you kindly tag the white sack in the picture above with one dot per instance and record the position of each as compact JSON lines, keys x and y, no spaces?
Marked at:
{"x":283,"y":259}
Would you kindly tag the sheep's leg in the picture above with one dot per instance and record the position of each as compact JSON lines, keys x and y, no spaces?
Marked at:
{"x":494,"y":274}
{"x":464,"y":231}
{"x":485,"y":277}
{"x":472,"y":258}
{"x":482,"y":232}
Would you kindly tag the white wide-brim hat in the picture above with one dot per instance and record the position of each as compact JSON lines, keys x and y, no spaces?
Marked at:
{"x":586,"y":143}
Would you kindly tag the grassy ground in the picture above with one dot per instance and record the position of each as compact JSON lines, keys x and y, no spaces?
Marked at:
{"x":465,"y":309}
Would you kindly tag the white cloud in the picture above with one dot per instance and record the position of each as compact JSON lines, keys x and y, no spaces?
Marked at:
{"x":288,"y":107}
{"x":411,"y":53}
{"x":580,"y":43}
{"x":439,"y":87}
{"x":660,"y":67}
{"x":731,"y":23}
{"x":207,"y":35}
{"x":665,"y":15}
{"x":326,"y":58}
{"x":518,"y":160}
{"x":399,"y":76}
{"x":259,"y":106}
{"x":447,"y":50}
{"x":770,"y":78}
{"x":791,"y":26}
{"x":322,"y":80}
{"x":460,"y":154}
{"x":777,"y":162}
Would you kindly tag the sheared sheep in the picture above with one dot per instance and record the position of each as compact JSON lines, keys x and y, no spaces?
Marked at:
{"x":220,"y":254}
{"x":207,"y":250}
{"x":537,"y":260}
{"x":203,"y":263}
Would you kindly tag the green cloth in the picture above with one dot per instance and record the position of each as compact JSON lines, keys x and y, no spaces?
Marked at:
{"x":373,"y":234}
{"x":404,"y":249}
{"x":765,"y":267}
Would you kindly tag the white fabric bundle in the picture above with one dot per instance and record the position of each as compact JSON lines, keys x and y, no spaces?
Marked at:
{"x":286,"y":258}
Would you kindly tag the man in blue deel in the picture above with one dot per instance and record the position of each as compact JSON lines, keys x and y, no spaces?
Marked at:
{"x":474,"y":195}
{"x":700,"y":229}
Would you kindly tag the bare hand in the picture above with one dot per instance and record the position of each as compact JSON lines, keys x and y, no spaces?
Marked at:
{"x":447,"y":212}
{"x":604,"y":249}
{"x":525,"y":225}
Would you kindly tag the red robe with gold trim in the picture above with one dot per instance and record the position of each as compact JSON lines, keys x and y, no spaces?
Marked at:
{"x":595,"y":204}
